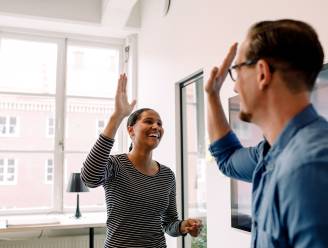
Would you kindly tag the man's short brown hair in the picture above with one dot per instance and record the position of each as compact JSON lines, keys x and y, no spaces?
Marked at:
{"x":289,"y":46}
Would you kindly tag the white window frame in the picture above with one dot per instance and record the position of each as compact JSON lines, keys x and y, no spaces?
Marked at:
{"x":121,"y":135}
{"x":61,"y":40}
{"x":6,"y":174}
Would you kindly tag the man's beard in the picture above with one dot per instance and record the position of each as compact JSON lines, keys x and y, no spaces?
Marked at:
{"x":246,"y":117}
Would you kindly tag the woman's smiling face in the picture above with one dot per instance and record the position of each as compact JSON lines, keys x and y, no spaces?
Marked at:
{"x":148,"y":130}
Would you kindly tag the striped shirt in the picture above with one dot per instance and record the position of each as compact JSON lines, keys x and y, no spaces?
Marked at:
{"x":139,"y":207}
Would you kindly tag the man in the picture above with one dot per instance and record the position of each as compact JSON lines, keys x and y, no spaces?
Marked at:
{"x":274,"y":74}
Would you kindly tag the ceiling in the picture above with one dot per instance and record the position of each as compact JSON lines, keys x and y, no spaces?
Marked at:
{"x":109,"y":17}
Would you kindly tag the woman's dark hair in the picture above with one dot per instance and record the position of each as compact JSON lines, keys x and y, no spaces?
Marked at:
{"x":290,"y":46}
{"x":134,"y":117}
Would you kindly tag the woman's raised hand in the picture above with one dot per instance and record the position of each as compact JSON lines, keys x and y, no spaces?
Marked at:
{"x":122,"y":107}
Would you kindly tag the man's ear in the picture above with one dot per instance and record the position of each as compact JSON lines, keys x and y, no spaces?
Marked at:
{"x":264,"y":75}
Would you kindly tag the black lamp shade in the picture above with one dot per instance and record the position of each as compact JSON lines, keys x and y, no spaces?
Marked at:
{"x":75,"y":184}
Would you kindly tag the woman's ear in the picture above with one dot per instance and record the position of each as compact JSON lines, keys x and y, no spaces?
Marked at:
{"x":130,"y":131}
{"x":263,"y":74}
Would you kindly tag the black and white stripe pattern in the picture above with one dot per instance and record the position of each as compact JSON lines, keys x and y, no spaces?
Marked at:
{"x":139,"y":207}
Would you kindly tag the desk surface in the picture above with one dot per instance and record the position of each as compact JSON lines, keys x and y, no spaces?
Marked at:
{"x":52,"y":221}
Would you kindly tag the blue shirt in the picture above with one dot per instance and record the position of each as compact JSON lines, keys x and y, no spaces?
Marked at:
{"x":289,"y":182}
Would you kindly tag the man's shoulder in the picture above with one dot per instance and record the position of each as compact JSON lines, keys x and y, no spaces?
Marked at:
{"x":312,"y":135}
{"x":309,"y":146}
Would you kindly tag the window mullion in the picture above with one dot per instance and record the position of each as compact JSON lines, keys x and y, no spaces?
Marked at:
{"x":60,"y":128}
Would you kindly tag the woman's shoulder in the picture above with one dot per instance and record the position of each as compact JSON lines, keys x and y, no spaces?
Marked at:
{"x":165,"y":169}
{"x":120,"y":158}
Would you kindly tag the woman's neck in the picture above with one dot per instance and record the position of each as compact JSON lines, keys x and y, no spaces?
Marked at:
{"x":141,"y":158}
{"x":143,"y":162}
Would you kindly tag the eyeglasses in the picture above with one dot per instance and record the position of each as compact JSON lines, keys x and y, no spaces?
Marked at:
{"x":233,"y":69}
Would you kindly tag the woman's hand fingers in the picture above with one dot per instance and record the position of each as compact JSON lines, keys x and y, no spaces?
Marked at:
{"x":122,"y":106}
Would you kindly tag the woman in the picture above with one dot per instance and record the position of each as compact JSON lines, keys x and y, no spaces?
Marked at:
{"x":140,"y":192}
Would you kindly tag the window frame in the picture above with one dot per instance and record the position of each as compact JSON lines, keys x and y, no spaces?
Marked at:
{"x":195,"y":79}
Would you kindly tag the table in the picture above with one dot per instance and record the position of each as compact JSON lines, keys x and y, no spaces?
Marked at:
{"x":55,"y":221}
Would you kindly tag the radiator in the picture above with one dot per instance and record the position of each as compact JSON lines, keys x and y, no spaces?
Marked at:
{"x":55,"y":242}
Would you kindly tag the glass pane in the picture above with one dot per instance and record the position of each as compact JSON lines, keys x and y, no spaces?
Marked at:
{"x":12,"y":130}
{"x":92,"y":74}
{"x":194,"y":167}
{"x":25,"y":100}
{"x":81,"y":131}
{"x":29,"y":182}
{"x":51,"y":122}
{"x":12,"y":120}
{"x":94,"y":198}
{"x":10,"y":178}
{"x":92,"y":71}
{"x":35,"y":61}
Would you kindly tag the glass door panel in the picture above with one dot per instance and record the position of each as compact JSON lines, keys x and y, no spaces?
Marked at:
{"x":193,"y":157}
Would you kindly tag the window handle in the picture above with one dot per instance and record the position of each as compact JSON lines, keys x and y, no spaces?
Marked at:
{"x":61,"y":143}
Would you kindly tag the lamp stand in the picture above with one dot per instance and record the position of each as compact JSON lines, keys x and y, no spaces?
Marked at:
{"x":77,"y":212}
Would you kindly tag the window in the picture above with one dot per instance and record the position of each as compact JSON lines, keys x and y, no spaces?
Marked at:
{"x":8,"y":126}
{"x":193,"y":154}
{"x":63,"y":86}
{"x":7,"y":171}
{"x":49,"y":170}
{"x":91,"y":85}
{"x":50,"y":127}
{"x":30,"y":96}
{"x":100,"y":127}
{"x":3,"y":125}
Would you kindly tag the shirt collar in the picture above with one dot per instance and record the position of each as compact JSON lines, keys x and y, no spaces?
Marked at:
{"x":303,"y":118}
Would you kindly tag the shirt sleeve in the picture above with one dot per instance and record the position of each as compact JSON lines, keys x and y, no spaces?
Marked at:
{"x":99,"y":166}
{"x":170,"y":220}
{"x":304,"y":205}
{"x":233,"y":159}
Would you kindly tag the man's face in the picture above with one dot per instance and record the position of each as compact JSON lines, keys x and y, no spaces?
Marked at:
{"x":245,"y":84}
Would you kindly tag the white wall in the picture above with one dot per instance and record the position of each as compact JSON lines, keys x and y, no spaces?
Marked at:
{"x":196,"y":34}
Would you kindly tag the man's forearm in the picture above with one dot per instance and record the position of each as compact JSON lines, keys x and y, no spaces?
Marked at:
{"x":218,"y":125}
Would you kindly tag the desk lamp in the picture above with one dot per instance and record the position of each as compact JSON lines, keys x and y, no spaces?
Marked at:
{"x":75,"y":184}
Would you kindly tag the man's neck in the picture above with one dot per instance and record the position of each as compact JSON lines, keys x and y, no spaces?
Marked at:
{"x":280,"y":113}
